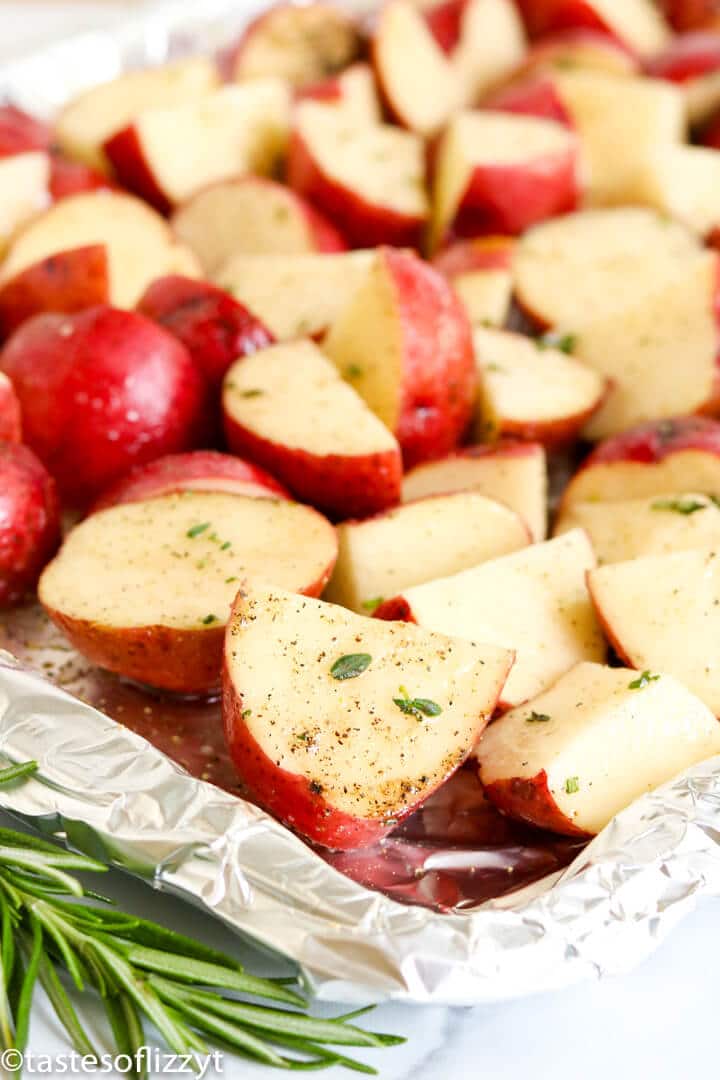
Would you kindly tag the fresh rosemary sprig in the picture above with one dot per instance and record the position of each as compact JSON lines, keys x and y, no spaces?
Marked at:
{"x":142,"y":971}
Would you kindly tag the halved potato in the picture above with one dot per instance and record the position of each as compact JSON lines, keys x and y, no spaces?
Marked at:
{"x":514,"y":473}
{"x":139,"y":244}
{"x":533,"y":601}
{"x":662,"y":613}
{"x":341,"y":725}
{"x":145,"y":589}
{"x":93,"y":116}
{"x":573,"y":758}
{"x":656,"y":525}
{"x":531,"y":390}
{"x":417,"y":542}
{"x":295,"y":295}
{"x":480,"y":271}
{"x":24,"y":191}
{"x":288,"y":409}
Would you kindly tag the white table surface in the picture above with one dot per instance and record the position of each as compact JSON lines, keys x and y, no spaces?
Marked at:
{"x":660,"y":1021}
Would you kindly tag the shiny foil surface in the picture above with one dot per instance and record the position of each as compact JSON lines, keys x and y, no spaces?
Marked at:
{"x":457,"y":906}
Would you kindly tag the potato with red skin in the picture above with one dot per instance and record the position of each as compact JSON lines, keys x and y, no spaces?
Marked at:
{"x":593,"y":50}
{"x":344,"y":771}
{"x":101,"y":391}
{"x":637,"y":24}
{"x":10,"y":419}
{"x":711,"y":135}
{"x":214,"y":328}
{"x":480,"y":271}
{"x":20,"y":132}
{"x":689,"y":14}
{"x":404,"y":343}
{"x":692,"y":61}
{"x":29,"y":521}
{"x":353,"y":90}
{"x":198,"y":470}
{"x":532,"y":95}
{"x":72,"y":177}
{"x":67,"y":282}
{"x":651,"y":459}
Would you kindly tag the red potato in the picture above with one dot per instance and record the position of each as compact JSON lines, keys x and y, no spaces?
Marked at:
{"x":295,"y":295}
{"x":646,"y":337}
{"x":662,"y":613}
{"x":297,"y":43}
{"x":165,"y":155}
{"x":501,"y":173}
{"x":684,"y":182}
{"x":252,"y":216}
{"x":532,"y":391}
{"x":711,"y":134}
{"x":139,"y":248}
{"x":354,"y":90}
{"x":638,"y":24}
{"x":214,"y":328}
{"x":198,"y":470}
{"x":692,"y":61}
{"x":24,"y":192}
{"x":532,"y":95}
{"x":653,"y":525}
{"x":640,"y":115}
{"x":101,"y":391}
{"x":404,"y":343}
{"x":94,"y":115}
{"x":73,"y":177}
{"x":573,"y":758}
{"x":344,"y":772}
{"x":676,"y":455}
{"x":597,"y":262}
{"x":288,"y":409}
{"x":591,"y":50}
{"x":485,"y":40}
{"x":533,"y":601}
{"x":420,"y":541}
{"x":145,"y":589}
{"x":480,"y":271}
{"x":417,"y":81}
{"x":21,"y":133}
{"x":66,"y":282}
{"x":512,"y":472}
{"x":29,"y":520}
{"x":10,"y":419}
{"x":689,"y":14}
{"x":369,"y":179}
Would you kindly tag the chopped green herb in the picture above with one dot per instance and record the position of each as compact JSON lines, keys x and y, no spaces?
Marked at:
{"x":209,"y":619}
{"x":225,"y":546}
{"x":370,"y":605}
{"x":353,"y":371}
{"x":195,"y":530}
{"x":679,"y":506}
{"x":714,"y":500}
{"x":643,"y":680}
{"x":229,"y":580}
{"x":417,"y":707}
{"x":537,"y":718}
{"x":492,"y":366}
{"x":350,"y":666}
{"x":252,"y":393}
{"x":572,"y":785}
{"x":564,"y":342}
{"x":245,"y":713}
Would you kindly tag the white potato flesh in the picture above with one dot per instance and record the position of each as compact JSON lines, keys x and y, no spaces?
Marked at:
{"x":523,"y":383}
{"x":417,"y":542}
{"x":516,"y":476}
{"x":96,"y":114}
{"x":367,"y":343}
{"x":577,"y":268}
{"x":295,"y":295}
{"x":663,"y":613}
{"x":302,"y":403}
{"x":683,"y":470}
{"x":486,"y":294}
{"x":298,"y":43}
{"x":605,"y":741}
{"x":381,"y":164}
{"x":418,"y":80}
{"x":628,"y":528}
{"x":139,"y":243}
{"x":492,"y":45}
{"x":684,"y":182}
{"x":636,"y":22}
{"x":621,"y":122}
{"x":235,"y":130}
{"x":637,"y":350}
{"x":487,"y":139}
{"x":534,"y":601}
{"x":368,"y":756}
{"x":246,"y":216}
{"x":176,"y":560}
{"x":24,"y":191}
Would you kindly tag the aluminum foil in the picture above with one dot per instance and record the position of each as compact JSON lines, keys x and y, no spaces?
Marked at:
{"x":106,"y":790}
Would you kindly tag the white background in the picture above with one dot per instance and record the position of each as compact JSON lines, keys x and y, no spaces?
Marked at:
{"x":660,"y":1021}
